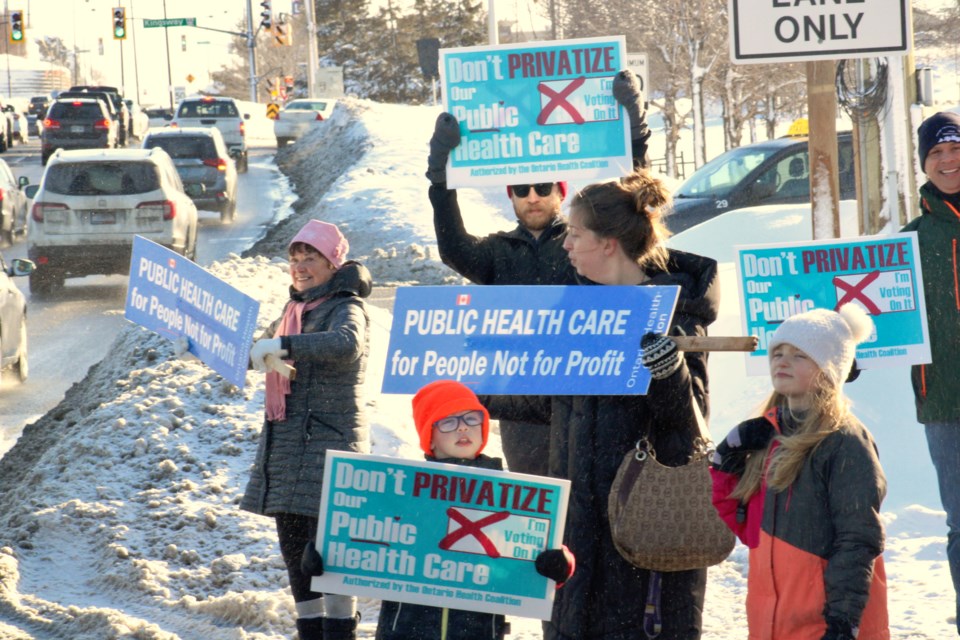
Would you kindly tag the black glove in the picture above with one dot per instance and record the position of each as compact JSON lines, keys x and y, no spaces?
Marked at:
{"x":752,"y":435}
{"x":626,"y":90}
{"x":311,"y":563}
{"x":838,"y":629}
{"x":556,"y":564}
{"x":660,"y":355}
{"x":446,"y":137}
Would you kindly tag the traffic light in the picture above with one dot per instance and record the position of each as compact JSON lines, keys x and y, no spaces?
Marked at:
{"x":266,"y":16}
{"x":282,"y":33}
{"x":119,"y":23}
{"x":16,"y":26}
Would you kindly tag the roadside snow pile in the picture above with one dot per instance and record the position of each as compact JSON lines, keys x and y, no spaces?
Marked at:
{"x":396,"y":249}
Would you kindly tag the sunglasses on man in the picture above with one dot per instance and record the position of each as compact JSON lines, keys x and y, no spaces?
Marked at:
{"x":543,"y":189}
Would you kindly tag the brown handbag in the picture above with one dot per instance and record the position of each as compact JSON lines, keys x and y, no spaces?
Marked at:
{"x":662,"y":518}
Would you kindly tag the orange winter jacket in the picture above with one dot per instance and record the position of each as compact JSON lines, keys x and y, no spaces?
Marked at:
{"x":815,"y":548}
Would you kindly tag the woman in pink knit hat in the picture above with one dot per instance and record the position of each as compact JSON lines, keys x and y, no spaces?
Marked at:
{"x":323,"y":334}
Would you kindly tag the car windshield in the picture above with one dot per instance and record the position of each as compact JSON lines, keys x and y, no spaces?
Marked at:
{"x":720,"y":175}
{"x":208,"y":110}
{"x":101,"y":178}
{"x":184,"y":146}
{"x":306,"y":105}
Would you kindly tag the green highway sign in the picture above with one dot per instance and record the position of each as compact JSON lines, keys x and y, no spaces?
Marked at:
{"x":170,"y":22}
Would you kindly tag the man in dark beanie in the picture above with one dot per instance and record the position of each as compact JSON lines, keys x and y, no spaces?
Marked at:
{"x":936,"y":386}
{"x":530,"y":254}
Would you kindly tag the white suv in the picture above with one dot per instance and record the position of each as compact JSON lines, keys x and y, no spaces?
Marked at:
{"x":90,"y":204}
{"x":221,"y":113}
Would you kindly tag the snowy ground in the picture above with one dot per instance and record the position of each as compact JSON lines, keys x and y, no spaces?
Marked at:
{"x":118,"y":509}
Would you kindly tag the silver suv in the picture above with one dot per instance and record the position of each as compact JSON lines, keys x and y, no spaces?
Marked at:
{"x":90,"y":204}
{"x":221,"y":113}
{"x":205,"y":167}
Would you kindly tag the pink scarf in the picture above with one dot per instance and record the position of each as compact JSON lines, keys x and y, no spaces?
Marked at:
{"x":278,"y":386}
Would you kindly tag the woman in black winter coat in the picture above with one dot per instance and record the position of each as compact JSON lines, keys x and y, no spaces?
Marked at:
{"x":615,"y":237}
{"x":324,"y":333}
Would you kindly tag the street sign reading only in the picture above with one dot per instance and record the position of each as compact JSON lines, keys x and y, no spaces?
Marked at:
{"x":793,"y":31}
{"x":170,"y":22}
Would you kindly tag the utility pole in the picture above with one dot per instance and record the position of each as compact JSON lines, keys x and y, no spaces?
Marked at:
{"x":313,"y":56}
{"x":133,"y":38}
{"x":166,"y":41}
{"x":251,"y":49}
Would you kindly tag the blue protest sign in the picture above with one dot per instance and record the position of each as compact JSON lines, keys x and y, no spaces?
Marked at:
{"x":533,"y":340}
{"x":438,"y":534}
{"x":174,"y":297}
{"x":536,"y":112}
{"x":881,"y":274}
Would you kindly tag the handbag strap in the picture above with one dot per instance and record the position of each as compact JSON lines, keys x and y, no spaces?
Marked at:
{"x":652,"y":623}
{"x":643,"y":451}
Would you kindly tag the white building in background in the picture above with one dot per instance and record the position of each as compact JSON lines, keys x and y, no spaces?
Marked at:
{"x":23,"y":78}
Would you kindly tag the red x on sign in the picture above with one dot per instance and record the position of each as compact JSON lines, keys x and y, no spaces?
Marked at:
{"x":558,"y":99}
{"x":473,"y":528}
{"x":855,"y":291}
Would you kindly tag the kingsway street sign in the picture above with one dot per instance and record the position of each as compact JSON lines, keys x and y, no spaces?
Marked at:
{"x":170,"y":22}
{"x":797,"y":30}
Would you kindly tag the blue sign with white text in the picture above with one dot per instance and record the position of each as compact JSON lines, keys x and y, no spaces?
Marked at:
{"x":536,"y":112}
{"x":526,"y":340}
{"x":442,"y":535}
{"x":173,"y":296}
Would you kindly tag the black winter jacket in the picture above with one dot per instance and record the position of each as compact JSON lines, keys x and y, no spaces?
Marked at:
{"x":401,"y":621}
{"x":325,"y":404}
{"x":589,"y":436}
{"x":505,"y":257}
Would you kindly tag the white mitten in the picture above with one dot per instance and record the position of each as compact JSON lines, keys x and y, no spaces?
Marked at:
{"x":181,"y":349}
{"x":261,"y":349}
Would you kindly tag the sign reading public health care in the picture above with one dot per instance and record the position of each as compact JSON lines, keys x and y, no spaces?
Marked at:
{"x":533,"y":340}
{"x":536,"y":112}
{"x":796,"y":30}
{"x":437,"y":534}
{"x":174,"y":297}
{"x":881,"y":274}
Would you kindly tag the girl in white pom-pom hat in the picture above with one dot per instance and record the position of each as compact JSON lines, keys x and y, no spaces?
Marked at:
{"x":801,"y":486}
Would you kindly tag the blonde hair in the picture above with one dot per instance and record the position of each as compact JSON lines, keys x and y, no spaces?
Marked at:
{"x":630,"y":210}
{"x":828,"y":411}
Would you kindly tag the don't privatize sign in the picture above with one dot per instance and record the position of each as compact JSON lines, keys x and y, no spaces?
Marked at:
{"x":526,"y":340}
{"x":175,"y":297}
{"x":437,"y":534}
{"x":536,"y":112}
{"x":881,"y":274}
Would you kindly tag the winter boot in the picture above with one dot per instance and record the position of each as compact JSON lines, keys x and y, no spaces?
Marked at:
{"x":310,"y":628}
{"x":340,"y":628}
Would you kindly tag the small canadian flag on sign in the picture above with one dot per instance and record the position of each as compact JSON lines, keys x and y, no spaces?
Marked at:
{"x":463,"y":298}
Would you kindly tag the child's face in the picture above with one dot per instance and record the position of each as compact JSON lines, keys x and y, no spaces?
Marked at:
{"x":459,"y":435}
{"x":793,"y":374}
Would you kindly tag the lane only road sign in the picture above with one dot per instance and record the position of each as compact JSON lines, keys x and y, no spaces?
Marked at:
{"x":797,"y":30}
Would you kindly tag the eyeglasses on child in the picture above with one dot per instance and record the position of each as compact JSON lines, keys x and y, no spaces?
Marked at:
{"x":451,"y":423}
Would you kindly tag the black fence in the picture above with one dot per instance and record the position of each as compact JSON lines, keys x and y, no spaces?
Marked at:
{"x":660,"y":164}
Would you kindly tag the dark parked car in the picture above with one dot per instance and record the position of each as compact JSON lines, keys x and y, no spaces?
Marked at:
{"x":208,"y":172}
{"x":77,"y":123}
{"x":771,"y":172}
{"x":13,"y":317}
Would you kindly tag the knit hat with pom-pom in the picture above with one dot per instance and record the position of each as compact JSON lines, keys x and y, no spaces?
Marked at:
{"x":440,"y":399}
{"x":828,"y":337}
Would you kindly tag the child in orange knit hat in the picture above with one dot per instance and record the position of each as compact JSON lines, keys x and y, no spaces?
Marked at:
{"x":453,"y":428}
